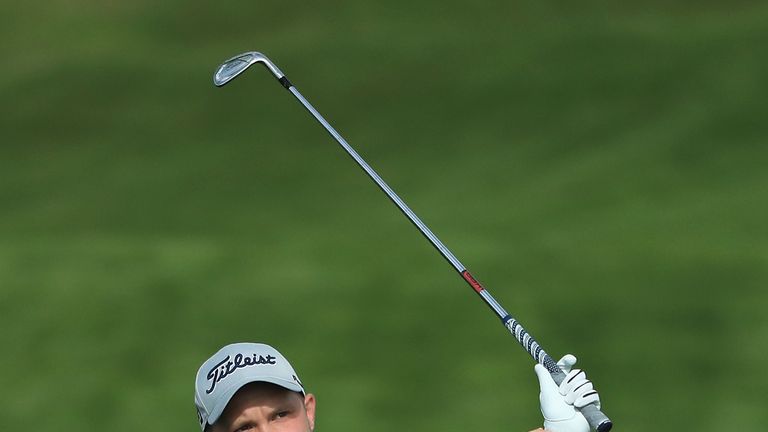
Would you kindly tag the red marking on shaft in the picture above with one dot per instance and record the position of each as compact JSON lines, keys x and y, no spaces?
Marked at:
{"x":472,"y":281}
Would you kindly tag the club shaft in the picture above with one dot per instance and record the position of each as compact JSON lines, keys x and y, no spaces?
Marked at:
{"x":594,"y":416}
{"x":422,"y":227}
{"x":382,"y":184}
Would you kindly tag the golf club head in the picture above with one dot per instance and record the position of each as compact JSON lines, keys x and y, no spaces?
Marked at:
{"x":239,"y":63}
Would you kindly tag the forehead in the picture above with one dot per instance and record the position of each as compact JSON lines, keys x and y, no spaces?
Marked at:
{"x":261,"y":394}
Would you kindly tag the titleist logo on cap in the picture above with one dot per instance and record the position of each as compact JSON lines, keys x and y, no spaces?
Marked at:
{"x":225,"y":367}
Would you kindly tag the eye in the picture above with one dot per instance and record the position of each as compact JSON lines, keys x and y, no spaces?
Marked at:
{"x":243,"y":428}
{"x":282,"y":414}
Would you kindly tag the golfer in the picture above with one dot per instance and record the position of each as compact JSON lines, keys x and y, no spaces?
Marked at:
{"x":251,"y":387}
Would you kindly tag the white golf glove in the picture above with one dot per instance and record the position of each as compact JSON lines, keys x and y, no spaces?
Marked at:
{"x":558,"y":404}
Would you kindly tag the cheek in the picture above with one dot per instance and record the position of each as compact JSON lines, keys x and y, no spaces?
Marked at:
{"x":300,"y":424}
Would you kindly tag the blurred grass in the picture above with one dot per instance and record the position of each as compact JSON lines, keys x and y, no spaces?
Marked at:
{"x":600,"y":167}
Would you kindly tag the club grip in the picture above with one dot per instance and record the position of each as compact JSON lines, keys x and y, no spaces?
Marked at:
{"x":596,"y":419}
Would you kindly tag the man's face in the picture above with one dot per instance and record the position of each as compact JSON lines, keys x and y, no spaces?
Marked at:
{"x":264,"y":407}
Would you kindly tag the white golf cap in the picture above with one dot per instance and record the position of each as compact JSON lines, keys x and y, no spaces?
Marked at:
{"x":234,"y":366}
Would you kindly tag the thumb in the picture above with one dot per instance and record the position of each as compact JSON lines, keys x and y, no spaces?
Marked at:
{"x":546,"y":383}
{"x":553,"y":406}
{"x":566,"y":363}
{"x":559,"y":416}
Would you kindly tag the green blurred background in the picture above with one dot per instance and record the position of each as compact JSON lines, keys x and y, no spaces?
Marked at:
{"x":601,"y":167}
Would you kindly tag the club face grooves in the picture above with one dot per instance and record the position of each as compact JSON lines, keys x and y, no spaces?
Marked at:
{"x":236,"y":65}
{"x":231,"y":69}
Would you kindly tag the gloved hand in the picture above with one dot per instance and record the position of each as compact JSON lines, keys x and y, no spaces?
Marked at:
{"x":558,"y":404}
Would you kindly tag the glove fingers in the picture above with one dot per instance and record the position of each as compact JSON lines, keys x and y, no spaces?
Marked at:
{"x":577,"y":392}
{"x":572,"y":380}
{"x":587,"y":398}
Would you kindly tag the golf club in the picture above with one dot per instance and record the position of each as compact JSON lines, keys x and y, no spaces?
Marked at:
{"x":233,"y":67}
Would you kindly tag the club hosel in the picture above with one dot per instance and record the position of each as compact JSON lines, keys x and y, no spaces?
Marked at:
{"x":281,"y":78}
{"x":261,"y":58}
{"x":279,"y":75}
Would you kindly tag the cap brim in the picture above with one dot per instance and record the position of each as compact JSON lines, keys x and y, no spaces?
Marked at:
{"x":228,"y":392}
